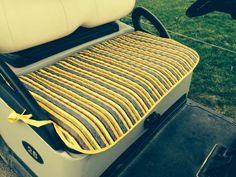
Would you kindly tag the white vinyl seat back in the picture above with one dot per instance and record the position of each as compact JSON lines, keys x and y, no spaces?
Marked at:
{"x":28,"y":23}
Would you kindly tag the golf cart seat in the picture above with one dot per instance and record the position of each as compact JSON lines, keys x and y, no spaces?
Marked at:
{"x":100,"y":94}
{"x":96,"y":98}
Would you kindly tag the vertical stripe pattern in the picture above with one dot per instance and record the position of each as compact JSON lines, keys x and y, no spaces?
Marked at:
{"x":100,"y":94}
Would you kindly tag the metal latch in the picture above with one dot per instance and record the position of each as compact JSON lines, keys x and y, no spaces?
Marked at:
{"x":152,"y":121}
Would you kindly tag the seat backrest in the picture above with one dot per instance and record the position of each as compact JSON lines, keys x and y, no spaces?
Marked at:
{"x":28,"y":23}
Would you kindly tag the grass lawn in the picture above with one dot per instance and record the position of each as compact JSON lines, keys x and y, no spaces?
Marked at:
{"x":214,"y":80}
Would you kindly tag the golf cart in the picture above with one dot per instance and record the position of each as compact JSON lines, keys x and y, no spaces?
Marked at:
{"x":85,"y":95}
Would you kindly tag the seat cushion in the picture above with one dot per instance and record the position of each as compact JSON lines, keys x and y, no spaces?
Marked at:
{"x":28,"y":23}
{"x":100,"y":94}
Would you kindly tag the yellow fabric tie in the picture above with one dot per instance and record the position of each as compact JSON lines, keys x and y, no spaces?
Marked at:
{"x":64,"y":135}
{"x":15,"y":117}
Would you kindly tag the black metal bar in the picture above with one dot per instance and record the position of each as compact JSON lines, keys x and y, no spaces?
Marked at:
{"x":142,"y":12}
{"x":23,"y":99}
{"x":9,"y":96}
{"x":23,"y":94}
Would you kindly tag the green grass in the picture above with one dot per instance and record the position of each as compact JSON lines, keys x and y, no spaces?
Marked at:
{"x":214,"y":80}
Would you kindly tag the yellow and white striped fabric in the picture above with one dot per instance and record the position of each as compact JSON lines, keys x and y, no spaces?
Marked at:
{"x":96,"y":97}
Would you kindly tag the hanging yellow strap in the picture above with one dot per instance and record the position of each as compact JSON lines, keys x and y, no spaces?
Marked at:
{"x":15,"y":117}
{"x":64,"y":135}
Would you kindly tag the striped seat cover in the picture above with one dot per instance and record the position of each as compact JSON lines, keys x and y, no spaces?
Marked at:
{"x":100,"y":94}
